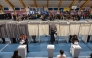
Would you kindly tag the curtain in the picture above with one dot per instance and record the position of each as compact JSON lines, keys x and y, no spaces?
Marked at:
{"x":3,"y":32}
{"x":11,"y":30}
{"x":33,"y":29}
{"x":90,"y":32}
{"x":64,"y":30}
{"x":57,"y":27}
{"x":23,"y":29}
{"x":84,"y":29}
{"x":14,"y":29}
{"x":44,"y":29}
{"x":74,"y":29}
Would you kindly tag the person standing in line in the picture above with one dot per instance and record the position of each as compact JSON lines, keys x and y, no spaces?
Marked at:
{"x":52,"y":40}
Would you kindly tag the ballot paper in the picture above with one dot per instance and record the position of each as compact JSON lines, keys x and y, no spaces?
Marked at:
{"x":21,"y":42}
{"x":76,"y":43}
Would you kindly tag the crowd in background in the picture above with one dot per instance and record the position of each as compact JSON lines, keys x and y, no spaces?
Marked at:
{"x":62,"y":15}
{"x":52,"y":15}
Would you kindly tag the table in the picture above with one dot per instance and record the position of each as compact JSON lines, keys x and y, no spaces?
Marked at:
{"x":22,"y":51}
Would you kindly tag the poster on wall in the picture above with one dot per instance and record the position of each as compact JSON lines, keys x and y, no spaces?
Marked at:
{"x":74,"y":7}
{"x":66,"y":9}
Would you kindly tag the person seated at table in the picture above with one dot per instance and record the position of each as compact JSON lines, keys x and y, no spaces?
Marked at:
{"x":62,"y":55}
{"x":24,"y":38}
{"x":15,"y":54}
{"x":75,"y":39}
{"x":34,"y":37}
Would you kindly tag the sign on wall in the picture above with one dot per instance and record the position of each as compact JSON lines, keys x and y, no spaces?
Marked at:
{"x":66,"y":9}
{"x":74,"y":7}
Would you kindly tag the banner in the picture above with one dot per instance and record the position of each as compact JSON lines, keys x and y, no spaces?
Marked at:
{"x":67,"y":9}
{"x":74,"y":7}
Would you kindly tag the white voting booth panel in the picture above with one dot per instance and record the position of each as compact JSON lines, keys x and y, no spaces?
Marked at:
{"x":50,"y":50}
{"x":75,"y":50}
{"x":57,"y":30}
{"x":74,"y":27}
{"x":33,"y":30}
{"x":90,"y":32}
{"x":22,"y":51}
{"x":64,"y":30}
{"x":84,"y":30}
{"x":84,"y":38}
{"x":43,"y":30}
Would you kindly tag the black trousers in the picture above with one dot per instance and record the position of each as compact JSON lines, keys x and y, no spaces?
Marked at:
{"x":34,"y":38}
{"x":70,"y":38}
{"x":52,"y":40}
{"x":14,"y":40}
{"x":3,"y":40}
{"x":88,"y":38}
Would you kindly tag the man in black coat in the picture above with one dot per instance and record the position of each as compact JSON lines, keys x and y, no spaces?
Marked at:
{"x":52,"y":36}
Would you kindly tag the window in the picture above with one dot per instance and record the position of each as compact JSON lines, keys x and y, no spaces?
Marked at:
{"x":6,"y":8}
{"x":17,"y":8}
{"x":55,"y":8}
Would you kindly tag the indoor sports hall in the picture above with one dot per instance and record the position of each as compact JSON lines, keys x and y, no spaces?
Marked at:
{"x":45,"y":28}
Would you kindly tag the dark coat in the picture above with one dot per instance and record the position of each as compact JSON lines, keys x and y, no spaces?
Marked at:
{"x":52,"y":36}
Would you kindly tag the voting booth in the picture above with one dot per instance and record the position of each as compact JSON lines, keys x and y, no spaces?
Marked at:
{"x":64,"y":30}
{"x":75,"y":50}
{"x":33,"y":29}
{"x":84,"y":30}
{"x":13,"y":29}
{"x":90,"y":31}
{"x":74,"y":27}
{"x":43,"y":29}
{"x":22,"y":51}
{"x":50,"y":51}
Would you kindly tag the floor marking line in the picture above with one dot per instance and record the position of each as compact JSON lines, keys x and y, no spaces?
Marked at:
{"x":4,"y":47}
